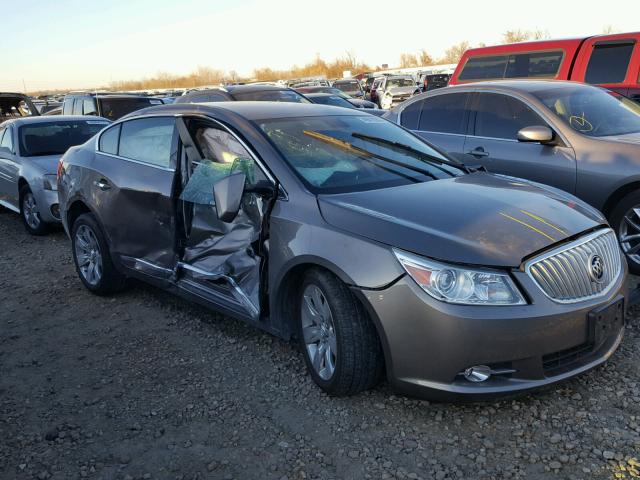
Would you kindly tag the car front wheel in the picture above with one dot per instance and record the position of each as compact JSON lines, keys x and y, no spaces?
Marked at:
{"x":30,"y":214}
{"x":92,"y":258}
{"x":625,"y":220}
{"x":340,"y":344}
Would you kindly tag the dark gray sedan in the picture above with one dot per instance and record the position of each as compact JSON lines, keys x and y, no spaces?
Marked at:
{"x":338,"y":228}
{"x":577,"y":137}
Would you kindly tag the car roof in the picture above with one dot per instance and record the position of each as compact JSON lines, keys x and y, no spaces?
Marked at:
{"x":53,"y":119}
{"x":249,"y":110}
{"x":524,"y":86}
{"x":253,"y":88}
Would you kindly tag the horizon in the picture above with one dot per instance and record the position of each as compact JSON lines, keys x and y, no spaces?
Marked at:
{"x":105,"y":42}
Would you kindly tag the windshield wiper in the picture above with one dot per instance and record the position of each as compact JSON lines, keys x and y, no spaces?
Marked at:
{"x":361,"y":151}
{"x":414,"y":151}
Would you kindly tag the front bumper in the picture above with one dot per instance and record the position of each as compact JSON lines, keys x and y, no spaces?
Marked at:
{"x":48,"y":207}
{"x":428,"y":343}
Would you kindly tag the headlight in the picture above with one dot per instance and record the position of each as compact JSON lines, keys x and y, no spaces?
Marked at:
{"x":460,"y":285}
{"x":50,"y":182}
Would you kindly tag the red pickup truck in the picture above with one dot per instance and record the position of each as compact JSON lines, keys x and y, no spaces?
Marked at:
{"x":611,"y":61}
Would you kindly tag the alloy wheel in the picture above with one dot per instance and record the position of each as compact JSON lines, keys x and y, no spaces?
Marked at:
{"x":30,"y":211}
{"x":88,"y":255}
{"x":319,"y":332}
{"x":629,"y":234}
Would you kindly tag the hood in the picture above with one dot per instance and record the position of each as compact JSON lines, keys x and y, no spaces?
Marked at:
{"x":47,"y":163}
{"x":633,"y":138}
{"x":402,"y":90}
{"x":477,"y":219}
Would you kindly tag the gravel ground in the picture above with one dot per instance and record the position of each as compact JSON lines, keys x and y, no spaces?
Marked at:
{"x":145,"y":385}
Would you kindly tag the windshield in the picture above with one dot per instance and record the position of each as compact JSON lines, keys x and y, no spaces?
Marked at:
{"x":55,"y":138}
{"x":335,"y":154}
{"x":349,"y":87}
{"x":400,"y":82}
{"x":271,"y":96}
{"x":592,"y":111}
{"x":114,"y":108}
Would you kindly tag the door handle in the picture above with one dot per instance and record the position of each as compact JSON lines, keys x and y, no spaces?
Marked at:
{"x":478,"y":152}
{"x":102,"y":184}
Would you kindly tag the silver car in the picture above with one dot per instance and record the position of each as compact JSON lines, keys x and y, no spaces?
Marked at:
{"x":577,"y":137}
{"x":30,"y":148}
{"x":354,"y":236}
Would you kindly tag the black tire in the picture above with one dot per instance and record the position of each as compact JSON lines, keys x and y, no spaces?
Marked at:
{"x":36,"y":226}
{"x":110,"y":280}
{"x":616,"y":218}
{"x":359,"y":360}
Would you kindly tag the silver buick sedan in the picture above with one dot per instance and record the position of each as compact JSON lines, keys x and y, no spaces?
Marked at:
{"x":30,"y":148}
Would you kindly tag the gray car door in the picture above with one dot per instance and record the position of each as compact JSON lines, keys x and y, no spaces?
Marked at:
{"x":492,"y":142}
{"x":8,"y":168}
{"x":439,"y":119}
{"x":132,"y":179}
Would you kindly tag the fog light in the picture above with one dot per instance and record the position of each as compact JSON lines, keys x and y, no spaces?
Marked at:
{"x":479,"y":373}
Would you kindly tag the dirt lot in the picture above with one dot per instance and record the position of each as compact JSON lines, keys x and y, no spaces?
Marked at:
{"x":145,"y":385}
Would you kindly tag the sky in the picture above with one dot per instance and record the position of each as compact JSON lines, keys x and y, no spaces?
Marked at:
{"x":47,"y":44}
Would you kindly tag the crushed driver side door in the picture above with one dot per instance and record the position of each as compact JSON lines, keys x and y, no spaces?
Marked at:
{"x":222,"y":262}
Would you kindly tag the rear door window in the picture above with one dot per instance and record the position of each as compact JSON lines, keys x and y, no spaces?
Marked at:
{"x":109,"y":140}
{"x":411,"y":115}
{"x":501,"y":116}
{"x":89,"y":107}
{"x":7,"y":141}
{"x":444,"y":113}
{"x":609,"y":62}
{"x":148,"y":140}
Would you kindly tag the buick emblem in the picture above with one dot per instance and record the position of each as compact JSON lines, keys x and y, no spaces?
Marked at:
{"x":596,"y":268}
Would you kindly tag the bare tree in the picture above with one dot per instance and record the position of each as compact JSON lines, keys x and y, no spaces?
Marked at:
{"x":424,"y":58}
{"x":455,"y":52}
{"x":515,"y":36}
{"x":408,"y":60}
{"x":607,"y":29}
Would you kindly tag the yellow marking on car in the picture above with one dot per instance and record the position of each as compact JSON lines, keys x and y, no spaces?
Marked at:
{"x":542,"y":220}
{"x":531,"y":227}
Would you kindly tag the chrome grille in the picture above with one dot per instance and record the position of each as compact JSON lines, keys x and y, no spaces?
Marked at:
{"x":564,"y":274}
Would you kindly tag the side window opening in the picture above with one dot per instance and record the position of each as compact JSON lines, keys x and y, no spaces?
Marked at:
{"x":500,"y":116}
{"x":217,"y":252}
{"x":148,"y":140}
{"x":6,"y":140}
{"x":609,"y":62}
{"x":444,"y":113}
{"x":89,"y":107}
{"x":222,"y":155}
{"x":109,"y":140}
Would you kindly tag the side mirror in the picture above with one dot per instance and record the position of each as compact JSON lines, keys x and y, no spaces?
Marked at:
{"x":539,"y":134}
{"x":359,"y":94}
{"x":227,"y":193}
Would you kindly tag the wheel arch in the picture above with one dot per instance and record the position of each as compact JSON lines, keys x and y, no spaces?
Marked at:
{"x":286,"y":292}
{"x":78,"y":207}
{"x":619,"y":194}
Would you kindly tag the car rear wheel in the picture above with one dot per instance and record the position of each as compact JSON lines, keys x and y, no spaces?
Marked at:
{"x":625,"y":220}
{"x":92,"y":258}
{"x":30,"y":214}
{"x":340,"y":344}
